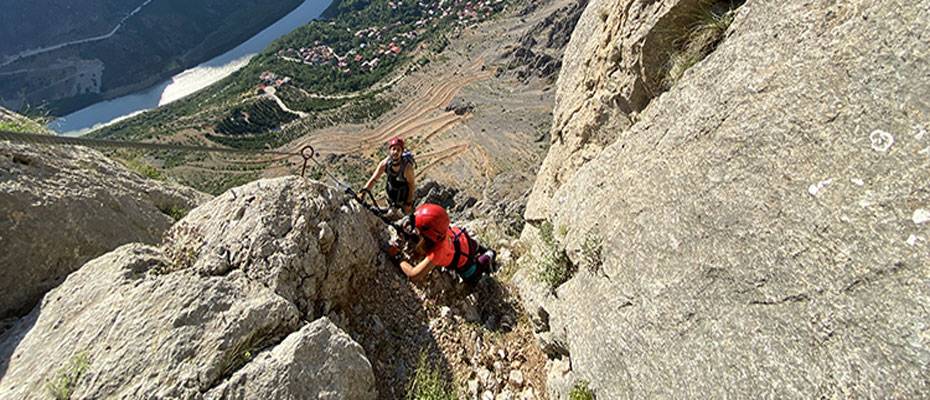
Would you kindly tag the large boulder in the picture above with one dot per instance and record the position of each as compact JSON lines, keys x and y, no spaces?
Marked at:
{"x":300,"y":238}
{"x":230,"y":286}
{"x":320,"y":361}
{"x":758,"y":230}
{"x":62,"y":206}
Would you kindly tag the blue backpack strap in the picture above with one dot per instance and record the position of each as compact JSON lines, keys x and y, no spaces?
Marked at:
{"x":408,"y":157}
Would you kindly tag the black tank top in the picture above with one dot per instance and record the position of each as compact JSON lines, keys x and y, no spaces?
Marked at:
{"x":396,"y":178}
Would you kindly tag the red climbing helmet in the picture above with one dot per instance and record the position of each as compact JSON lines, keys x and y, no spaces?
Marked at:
{"x":432,"y":221}
{"x":396,"y":141}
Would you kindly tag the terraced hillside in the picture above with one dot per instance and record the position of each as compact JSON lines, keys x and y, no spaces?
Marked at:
{"x":449,"y":91}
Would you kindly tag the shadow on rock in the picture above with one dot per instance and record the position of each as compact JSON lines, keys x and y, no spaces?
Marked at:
{"x":391,"y":321}
{"x":12,"y":332}
{"x":495,"y":306}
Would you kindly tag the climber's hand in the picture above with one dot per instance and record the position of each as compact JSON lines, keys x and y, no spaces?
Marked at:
{"x":394,"y":252}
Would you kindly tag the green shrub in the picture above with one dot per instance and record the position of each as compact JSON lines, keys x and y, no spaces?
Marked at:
{"x":699,"y":38}
{"x":581,"y":392}
{"x":143,"y":169}
{"x":553,"y":266}
{"x":13,"y":126}
{"x":545,"y":233}
{"x":256,"y":116}
{"x":174,"y":211}
{"x":62,"y":385}
{"x":428,"y":383}
{"x":220,"y":183}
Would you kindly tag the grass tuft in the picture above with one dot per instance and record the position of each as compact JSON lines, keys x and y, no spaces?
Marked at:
{"x":581,"y":391}
{"x":174,"y":211}
{"x":553,"y":266}
{"x":699,"y":39}
{"x":428,"y":383}
{"x":61,"y":387}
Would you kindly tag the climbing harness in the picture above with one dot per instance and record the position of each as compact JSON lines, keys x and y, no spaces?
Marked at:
{"x":470,"y":255}
{"x":396,"y":183}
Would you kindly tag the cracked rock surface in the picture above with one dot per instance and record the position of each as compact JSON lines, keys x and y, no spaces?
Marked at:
{"x":756,"y":222}
{"x":319,"y":361}
{"x":63,"y":206}
{"x":186,"y":320}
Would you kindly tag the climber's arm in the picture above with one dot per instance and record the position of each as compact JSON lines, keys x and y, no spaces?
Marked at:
{"x":419,"y":272}
{"x":376,"y":175}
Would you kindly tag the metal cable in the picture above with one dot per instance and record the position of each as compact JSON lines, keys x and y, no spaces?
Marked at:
{"x":34,"y":138}
{"x":306,"y":152}
{"x":37,"y":138}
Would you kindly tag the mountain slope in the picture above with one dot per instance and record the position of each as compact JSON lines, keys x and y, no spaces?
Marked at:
{"x":23,"y":23}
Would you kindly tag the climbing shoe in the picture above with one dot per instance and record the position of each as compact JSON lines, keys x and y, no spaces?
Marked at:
{"x":487,"y":261}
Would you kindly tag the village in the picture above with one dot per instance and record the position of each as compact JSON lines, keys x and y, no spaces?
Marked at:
{"x":375,"y":44}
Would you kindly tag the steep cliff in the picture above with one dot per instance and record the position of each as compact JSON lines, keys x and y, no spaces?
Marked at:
{"x":753,"y":226}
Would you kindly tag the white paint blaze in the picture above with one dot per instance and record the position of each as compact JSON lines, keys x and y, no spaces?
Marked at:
{"x":816,"y":188}
{"x":881,"y":140}
{"x":921,"y":216}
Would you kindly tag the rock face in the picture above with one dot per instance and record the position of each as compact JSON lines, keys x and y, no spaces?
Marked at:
{"x":539,"y":51}
{"x":229,"y":287}
{"x":62,"y":206}
{"x":294,"y":236}
{"x":319,"y":362}
{"x":755,"y":230}
{"x":454,"y":201}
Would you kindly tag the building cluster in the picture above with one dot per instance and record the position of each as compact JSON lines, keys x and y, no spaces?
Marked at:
{"x":374,"y":44}
{"x":271,"y":79}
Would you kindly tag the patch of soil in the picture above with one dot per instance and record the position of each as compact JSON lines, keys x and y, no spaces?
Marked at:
{"x":475,"y":337}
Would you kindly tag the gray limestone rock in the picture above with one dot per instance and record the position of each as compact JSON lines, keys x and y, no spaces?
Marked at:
{"x":301,"y":238}
{"x":62,"y":206}
{"x":229,"y":287}
{"x":757,"y":227}
{"x":143,"y":334}
{"x":319,"y":361}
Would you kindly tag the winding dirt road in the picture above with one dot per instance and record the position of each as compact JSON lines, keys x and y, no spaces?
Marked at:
{"x":423,"y":116}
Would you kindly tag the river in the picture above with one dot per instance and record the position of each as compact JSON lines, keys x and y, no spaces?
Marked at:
{"x":187,"y":82}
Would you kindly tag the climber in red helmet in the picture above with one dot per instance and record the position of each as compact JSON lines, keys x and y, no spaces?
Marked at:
{"x":401,"y":178}
{"x":446,"y":246}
